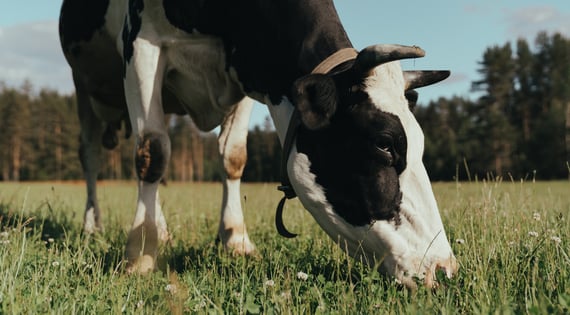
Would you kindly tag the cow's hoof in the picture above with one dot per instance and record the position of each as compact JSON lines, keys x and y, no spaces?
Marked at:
{"x":164,"y":236}
{"x":142,"y":265}
{"x":240,"y":245}
{"x":91,"y":224}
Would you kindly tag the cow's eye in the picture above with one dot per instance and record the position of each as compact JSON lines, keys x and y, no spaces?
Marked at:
{"x":385,"y":153}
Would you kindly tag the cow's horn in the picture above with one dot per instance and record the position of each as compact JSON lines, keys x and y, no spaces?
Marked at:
{"x":373,"y":56}
{"x":417,"y":79}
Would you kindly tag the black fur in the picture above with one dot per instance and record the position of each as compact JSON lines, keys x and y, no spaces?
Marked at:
{"x":360,"y":179}
{"x":316,"y":98}
{"x":269,"y":43}
{"x":150,"y":159}
{"x":412,"y":97}
{"x":79,"y":20}
{"x":131,"y":29}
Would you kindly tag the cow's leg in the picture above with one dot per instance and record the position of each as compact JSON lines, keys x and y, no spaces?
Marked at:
{"x":143,"y":84}
{"x":232,"y":145}
{"x":89,"y":155}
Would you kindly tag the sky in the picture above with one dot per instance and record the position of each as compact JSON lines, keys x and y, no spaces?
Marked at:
{"x":454,"y":35}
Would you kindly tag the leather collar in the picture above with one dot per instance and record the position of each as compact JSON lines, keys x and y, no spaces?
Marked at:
{"x":339,"y":57}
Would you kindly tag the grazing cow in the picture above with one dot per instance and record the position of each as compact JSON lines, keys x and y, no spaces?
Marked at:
{"x":353,"y":149}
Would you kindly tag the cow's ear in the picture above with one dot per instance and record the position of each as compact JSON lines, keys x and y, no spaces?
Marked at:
{"x":316,"y":98}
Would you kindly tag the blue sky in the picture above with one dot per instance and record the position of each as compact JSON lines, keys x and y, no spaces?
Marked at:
{"x":453,"y":33}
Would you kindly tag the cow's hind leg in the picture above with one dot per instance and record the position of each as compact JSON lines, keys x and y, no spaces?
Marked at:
{"x":232,"y":144}
{"x":89,"y":155}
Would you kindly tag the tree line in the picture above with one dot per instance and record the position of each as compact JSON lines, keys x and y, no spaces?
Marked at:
{"x":40,"y":141}
{"x":518,"y":126}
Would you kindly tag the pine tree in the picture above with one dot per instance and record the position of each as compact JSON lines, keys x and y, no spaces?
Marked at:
{"x":498,"y":71}
{"x":15,"y":126}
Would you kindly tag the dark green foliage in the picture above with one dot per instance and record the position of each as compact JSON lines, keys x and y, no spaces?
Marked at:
{"x":519,"y":127}
{"x":264,"y":155}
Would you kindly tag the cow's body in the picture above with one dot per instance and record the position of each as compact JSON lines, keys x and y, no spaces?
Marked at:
{"x":356,"y":160}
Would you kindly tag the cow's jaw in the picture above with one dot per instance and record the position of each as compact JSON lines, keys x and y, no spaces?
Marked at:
{"x":421,"y":228}
{"x":413,"y":246}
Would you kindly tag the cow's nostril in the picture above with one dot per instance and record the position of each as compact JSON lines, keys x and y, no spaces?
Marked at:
{"x":440,"y":271}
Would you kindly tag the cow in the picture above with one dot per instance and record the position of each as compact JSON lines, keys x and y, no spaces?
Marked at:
{"x":352,"y":147}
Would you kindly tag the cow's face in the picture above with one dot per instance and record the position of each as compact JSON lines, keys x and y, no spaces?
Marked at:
{"x":357,"y":167}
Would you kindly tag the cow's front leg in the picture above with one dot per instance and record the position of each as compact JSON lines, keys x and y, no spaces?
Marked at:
{"x":232,"y":145}
{"x":143,"y":84}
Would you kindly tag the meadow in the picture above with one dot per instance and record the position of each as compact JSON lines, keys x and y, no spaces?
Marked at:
{"x":512,"y":241}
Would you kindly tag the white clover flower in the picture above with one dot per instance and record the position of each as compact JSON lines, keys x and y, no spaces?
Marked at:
{"x":536,"y":216}
{"x":55,"y":263}
{"x":533,"y":234}
{"x":50,"y":240}
{"x":302,"y":276}
{"x":460,"y":241}
{"x":269,"y":283}
{"x":140,"y":304}
{"x":556,"y":239}
{"x":199,"y":306}
{"x":171,"y":288}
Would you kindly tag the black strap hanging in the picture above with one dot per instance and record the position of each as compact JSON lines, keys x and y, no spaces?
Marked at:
{"x":286,"y":188}
{"x":337,"y":58}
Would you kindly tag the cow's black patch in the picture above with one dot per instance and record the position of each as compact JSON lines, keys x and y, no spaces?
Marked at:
{"x":131,"y":29}
{"x":150,"y":159}
{"x":268,"y":43}
{"x":357,"y":159}
{"x":79,"y":20}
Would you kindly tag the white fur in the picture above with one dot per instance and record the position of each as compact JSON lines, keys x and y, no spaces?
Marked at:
{"x":143,"y":86}
{"x":417,"y":246}
{"x":191,"y":66}
{"x":232,"y":145}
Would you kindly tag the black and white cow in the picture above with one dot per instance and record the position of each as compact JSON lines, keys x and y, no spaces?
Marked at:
{"x":354,"y":159}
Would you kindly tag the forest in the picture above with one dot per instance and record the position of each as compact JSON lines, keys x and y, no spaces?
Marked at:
{"x":515,"y":125}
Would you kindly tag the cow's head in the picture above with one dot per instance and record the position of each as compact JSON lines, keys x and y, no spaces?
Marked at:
{"x":357,"y":164}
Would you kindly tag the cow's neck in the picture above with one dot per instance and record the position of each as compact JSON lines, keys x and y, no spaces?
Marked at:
{"x":322,"y":34}
{"x":268,"y":43}
{"x":295,"y":38}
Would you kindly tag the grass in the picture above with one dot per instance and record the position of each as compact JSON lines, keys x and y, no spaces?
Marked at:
{"x":511,"y":239}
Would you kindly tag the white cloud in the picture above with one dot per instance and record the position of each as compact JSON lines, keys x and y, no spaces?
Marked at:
{"x":32,"y":52}
{"x":528,"y":21}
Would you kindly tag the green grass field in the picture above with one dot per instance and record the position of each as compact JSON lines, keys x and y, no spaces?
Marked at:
{"x":512,"y":241}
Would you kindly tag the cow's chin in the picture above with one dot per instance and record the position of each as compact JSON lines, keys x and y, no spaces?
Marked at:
{"x":412,"y":250}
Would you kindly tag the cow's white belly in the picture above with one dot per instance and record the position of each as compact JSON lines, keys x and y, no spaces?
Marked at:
{"x":196,"y":75}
